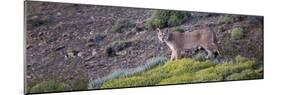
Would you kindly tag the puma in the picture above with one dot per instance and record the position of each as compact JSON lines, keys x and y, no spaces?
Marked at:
{"x":179,"y":41}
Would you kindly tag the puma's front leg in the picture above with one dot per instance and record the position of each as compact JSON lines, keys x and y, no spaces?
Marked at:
{"x":177,"y":54}
{"x":172,"y":55}
{"x":210,"y":54}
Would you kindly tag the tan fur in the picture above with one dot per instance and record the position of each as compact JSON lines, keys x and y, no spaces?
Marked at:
{"x":177,"y":42}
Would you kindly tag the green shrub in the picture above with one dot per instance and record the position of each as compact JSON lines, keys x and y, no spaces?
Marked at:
{"x":179,"y":29}
{"x":154,"y":23}
{"x":200,"y":56}
{"x":122,"y":25}
{"x":237,"y":33}
{"x":49,"y":86}
{"x":175,"y":19}
{"x":164,"y":18}
{"x":190,"y":71}
{"x":228,"y":19}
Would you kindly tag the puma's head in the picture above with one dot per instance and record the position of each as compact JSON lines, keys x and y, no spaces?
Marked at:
{"x":162,"y":36}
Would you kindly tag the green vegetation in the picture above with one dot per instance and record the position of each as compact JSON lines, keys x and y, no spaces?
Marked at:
{"x":121,"y":25}
{"x":178,"y":29}
{"x":190,"y":71}
{"x":228,"y":19}
{"x":156,"y":61}
{"x":237,"y":33}
{"x":164,"y":18}
{"x":49,"y":86}
{"x":200,"y":56}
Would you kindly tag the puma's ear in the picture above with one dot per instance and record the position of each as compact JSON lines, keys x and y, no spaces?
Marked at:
{"x":158,"y":30}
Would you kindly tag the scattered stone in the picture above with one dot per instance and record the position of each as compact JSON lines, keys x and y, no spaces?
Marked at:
{"x":92,"y":18}
{"x":90,"y":44}
{"x":72,"y":53}
{"x":40,"y":33}
{"x":99,"y":38}
{"x":65,"y":34}
{"x":139,"y":26}
{"x":80,"y":54}
{"x":27,"y":76}
{"x":29,"y":46}
{"x":90,"y":40}
{"x":94,"y":52}
{"x":34,"y":17}
{"x":59,"y":48}
{"x":110,"y":52}
{"x":89,"y":58}
{"x":121,"y":53}
{"x":58,"y":13}
{"x":92,"y":32}
{"x":90,"y":22}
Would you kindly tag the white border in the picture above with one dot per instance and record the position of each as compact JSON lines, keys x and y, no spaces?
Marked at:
{"x":11,"y":49}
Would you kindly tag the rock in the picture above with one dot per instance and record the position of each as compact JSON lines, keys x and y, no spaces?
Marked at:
{"x":80,"y":54}
{"x":28,"y":76}
{"x":121,"y":53}
{"x":90,"y":44}
{"x":65,"y":34}
{"x":40,"y":33}
{"x":139,"y":26}
{"x":58,"y":13}
{"x":59,"y":48}
{"x":34,"y":17}
{"x":90,"y":40}
{"x":94,"y":52}
{"x":110,"y":52}
{"x":92,"y":33}
{"x":29,"y":46}
{"x":99,"y":38}
{"x":92,"y":18}
{"x":89,"y":58}
{"x":72,"y":53}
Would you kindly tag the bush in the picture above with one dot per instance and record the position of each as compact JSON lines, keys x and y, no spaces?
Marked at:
{"x":164,"y":18}
{"x":200,"y":56}
{"x":95,"y":84}
{"x":237,"y":33}
{"x":122,"y":25}
{"x":228,"y":19}
{"x":49,"y":86}
{"x":190,"y":71}
{"x":179,"y":29}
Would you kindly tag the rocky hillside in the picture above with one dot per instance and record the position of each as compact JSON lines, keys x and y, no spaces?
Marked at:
{"x":75,"y":43}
